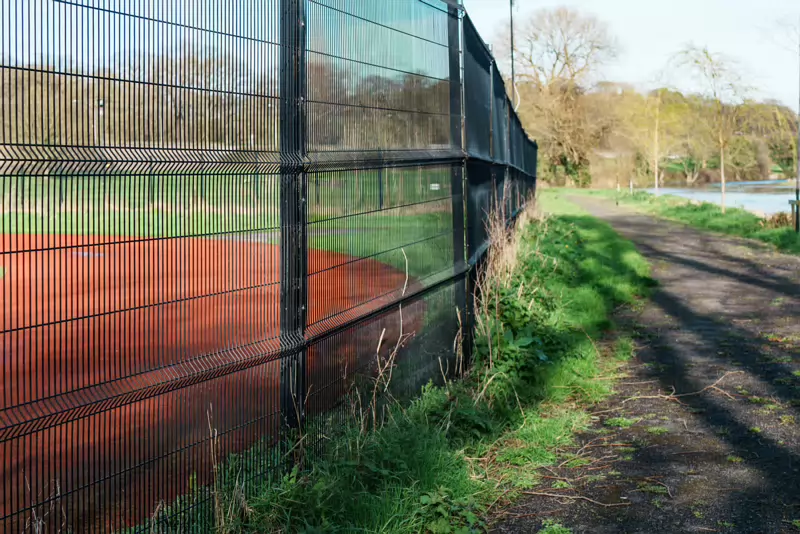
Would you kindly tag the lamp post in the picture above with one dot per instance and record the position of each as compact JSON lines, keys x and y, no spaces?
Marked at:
{"x":796,"y":209}
{"x":513,"y":70}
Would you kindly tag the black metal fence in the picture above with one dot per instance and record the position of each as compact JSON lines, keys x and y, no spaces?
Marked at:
{"x":218,"y":219}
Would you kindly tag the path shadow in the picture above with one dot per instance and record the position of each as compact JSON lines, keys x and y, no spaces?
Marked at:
{"x":704,"y":320}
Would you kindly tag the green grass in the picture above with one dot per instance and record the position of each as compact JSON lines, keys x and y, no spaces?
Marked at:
{"x":535,"y":443}
{"x":412,"y":227}
{"x":553,"y":201}
{"x":203,"y":204}
{"x":625,"y":348}
{"x":707,"y":216}
{"x":146,"y":205}
{"x":423,"y":242}
{"x":521,"y":405}
{"x":550,"y":526}
{"x":620,"y":422}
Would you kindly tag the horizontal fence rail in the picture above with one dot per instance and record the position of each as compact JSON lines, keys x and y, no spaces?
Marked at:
{"x":221,"y":222}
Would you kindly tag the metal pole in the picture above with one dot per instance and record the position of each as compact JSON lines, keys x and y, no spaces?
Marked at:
{"x":513,"y":68}
{"x":796,"y":209}
{"x":462,"y":290}
{"x":293,"y":191}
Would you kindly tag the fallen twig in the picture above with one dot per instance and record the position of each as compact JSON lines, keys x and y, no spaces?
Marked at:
{"x":555,"y":475}
{"x":603,"y":411}
{"x":598,"y":468}
{"x":591,"y":444}
{"x":675,"y":397}
{"x":660,"y":484}
{"x":483,"y":391}
{"x":606,"y":378}
{"x":508,"y":514}
{"x":532,"y":514}
{"x":498,"y":499}
{"x":688,"y":452}
{"x":568,"y":460}
{"x":607,"y":445}
{"x":576,"y":497}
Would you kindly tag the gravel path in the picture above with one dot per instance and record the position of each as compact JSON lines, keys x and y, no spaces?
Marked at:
{"x":726,"y":313}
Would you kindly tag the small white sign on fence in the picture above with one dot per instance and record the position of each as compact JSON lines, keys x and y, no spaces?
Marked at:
{"x":435,"y":187}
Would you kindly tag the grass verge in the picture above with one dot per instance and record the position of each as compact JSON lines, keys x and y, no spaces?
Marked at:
{"x":776,"y":231}
{"x":544,"y":351}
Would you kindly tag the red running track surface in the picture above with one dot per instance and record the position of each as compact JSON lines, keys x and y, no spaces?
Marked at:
{"x":119,"y":351}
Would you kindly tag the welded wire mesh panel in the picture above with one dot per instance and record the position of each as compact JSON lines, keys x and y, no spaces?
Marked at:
{"x":127,"y":74}
{"x":477,"y":93}
{"x":501,"y":191}
{"x":378,"y":76}
{"x":517,"y":138}
{"x":211,"y":214}
{"x":531,"y":152}
{"x":482,"y":194}
{"x":500,"y":131}
{"x":138,"y":260}
{"x":397,"y":351}
{"x":518,"y":191}
{"x":374,"y":233}
{"x":433,"y":352}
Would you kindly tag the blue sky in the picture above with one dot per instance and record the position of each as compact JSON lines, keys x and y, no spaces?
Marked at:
{"x":650,"y":31}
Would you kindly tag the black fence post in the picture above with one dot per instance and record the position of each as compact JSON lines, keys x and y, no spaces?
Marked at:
{"x":457,"y":179}
{"x":293,"y":190}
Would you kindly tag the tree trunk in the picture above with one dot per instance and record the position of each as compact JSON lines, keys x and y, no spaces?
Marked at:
{"x":722,"y":175}
{"x":656,"y":141}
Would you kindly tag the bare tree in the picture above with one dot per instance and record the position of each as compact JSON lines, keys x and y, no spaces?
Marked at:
{"x":725,"y":91}
{"x":562,"y":46}
{"x":556,"y":54}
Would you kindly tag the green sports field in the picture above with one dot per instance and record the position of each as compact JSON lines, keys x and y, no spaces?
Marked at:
{"x":401,"y":217}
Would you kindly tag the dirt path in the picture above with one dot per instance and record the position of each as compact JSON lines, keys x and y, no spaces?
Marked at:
{"x":723,"y":460}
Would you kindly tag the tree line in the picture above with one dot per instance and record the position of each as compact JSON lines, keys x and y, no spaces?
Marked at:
{"x":600,"y":133}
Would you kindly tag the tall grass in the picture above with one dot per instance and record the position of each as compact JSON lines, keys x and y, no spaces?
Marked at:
{"x":445,"y":461}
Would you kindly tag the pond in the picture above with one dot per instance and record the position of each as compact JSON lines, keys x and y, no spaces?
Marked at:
{"x":763,"y":197}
